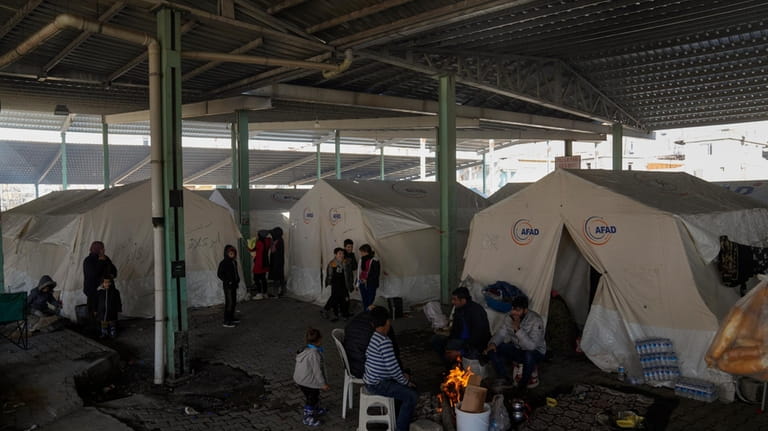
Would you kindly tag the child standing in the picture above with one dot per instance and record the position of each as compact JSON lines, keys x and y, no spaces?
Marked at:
{"x":108,"y":305}
{"x":309,"y":374}
{"x":369,"y":275}
{"x":338,"y":275}
{"x":230,"y":278}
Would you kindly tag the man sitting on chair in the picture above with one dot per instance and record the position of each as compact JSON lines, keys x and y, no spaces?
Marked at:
{"x":520,"y":339}
{"x":358,"y":333}
{"x":470,"y":330}
{"x":383,"y":376}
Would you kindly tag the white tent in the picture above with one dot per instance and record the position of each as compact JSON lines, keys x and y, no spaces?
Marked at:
{"x":506,"y":191}
{"x":756,"y":189}
{"x":651,"y":236}
{"x":269,"y":207}
{"x":51,"y":235}
{"x":400,"y":220}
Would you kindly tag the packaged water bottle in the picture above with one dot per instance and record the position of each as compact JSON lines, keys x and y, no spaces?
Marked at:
{"x":622,"y":374}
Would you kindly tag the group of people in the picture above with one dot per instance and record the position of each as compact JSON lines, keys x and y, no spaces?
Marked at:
{"x":373,"y":355}
{"x":342,"y":276}
{"x":268,"y":252}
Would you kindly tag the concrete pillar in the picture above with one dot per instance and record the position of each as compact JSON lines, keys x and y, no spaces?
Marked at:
{"x":241,"y":171}
{"x":383,"y":174}
{"x":105,"y":152}
{"x":618,"y":146}
{"x":568,"y":147}
{"x":337,"y":141}
{"x":64,"y":180}
{"x":484,"y":174}
{"x":423,"y":159}
{"x":446,"y":163}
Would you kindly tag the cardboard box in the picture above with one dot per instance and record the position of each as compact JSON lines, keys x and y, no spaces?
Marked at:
{"x":474,"y":398}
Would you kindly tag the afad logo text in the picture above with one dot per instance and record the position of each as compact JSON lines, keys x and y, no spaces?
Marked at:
{"x":309,"y":215}
{"x":597,"y":231}
{"x":523,"y":232}
{"x":335,"y":215}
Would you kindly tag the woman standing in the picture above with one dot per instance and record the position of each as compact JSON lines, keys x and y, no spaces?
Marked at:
{"x":95,"y":267}
{"x":370,"y":269}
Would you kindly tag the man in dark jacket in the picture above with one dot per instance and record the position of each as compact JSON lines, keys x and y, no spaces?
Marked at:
{"x":470,"y":331}
{"x":358,"y":333}
{"x":230,"y":278}
{"x":95,"y":267}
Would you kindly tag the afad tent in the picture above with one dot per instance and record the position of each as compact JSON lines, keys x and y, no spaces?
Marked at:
{"x":756,"y":189}
{"x":652,"y":237}
{"x":51,"y":235}
{"x":269,"y":208}
{"x":506,"y":191}
{"x":400,"y":220}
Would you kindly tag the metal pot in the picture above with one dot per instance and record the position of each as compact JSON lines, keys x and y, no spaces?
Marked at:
{"x":517,"y":404}
{"x":518,"y":416}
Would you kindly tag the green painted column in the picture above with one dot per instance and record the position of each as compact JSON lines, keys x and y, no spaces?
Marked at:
{"x":242,"y":186}
{"x":105,"y":147}
{"x":618,"y":146}
{"x":319,"y":162}
{"x":381,"y":156}
{"x":37,"y":190}
{"x":568,"y":147}
{"x":446,"y":169}
{"x":337,"y":140}
{"x":177,"y":350}
{"x":485,"y":173}
{"x":64,"y":181}
{"x":2,"y":262}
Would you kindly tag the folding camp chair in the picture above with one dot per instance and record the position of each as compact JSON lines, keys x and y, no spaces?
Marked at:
{"x":13,"y":309}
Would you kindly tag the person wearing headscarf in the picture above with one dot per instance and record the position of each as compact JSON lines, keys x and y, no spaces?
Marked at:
{"x":260,"y":253}
{"x":277,"y":260}
{"x":95,"y":267}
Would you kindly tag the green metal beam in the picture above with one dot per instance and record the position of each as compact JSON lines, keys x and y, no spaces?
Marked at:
{"x":177,"y":350}
{"x":319,"y":162}
{"x":618,"y":146}
{"x":241,"y":171}
{"x":64,"y":182}
{"x":2,"y":261}
{"x":446,"y":171}
{"x":37,"y":190}
{"x":337,"y":140}
{"x":105,"y":146}
{"x":568,"y":147}
{"x":383,"y":172}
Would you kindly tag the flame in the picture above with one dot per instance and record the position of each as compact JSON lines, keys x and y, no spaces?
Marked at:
{"x":453,"y":386}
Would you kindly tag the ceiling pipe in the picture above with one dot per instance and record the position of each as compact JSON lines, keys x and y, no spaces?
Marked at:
{"x":334,"y":69}
{"x":67,"y":21}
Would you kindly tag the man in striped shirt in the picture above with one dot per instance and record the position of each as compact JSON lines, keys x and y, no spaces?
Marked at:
{"x":383,"y":376}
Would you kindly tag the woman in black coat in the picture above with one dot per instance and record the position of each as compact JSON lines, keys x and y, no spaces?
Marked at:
{"x":277,"y":260}
{"x":95,"y":267}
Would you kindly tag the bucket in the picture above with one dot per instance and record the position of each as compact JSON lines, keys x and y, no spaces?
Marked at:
{"x":395,"y":307}
{"x":473,"y":421}
{"x":81,"y":313}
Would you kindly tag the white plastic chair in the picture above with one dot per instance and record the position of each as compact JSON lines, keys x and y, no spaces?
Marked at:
{"x":349,"y":380}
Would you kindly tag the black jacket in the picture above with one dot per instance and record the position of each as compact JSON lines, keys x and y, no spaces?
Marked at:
{"x":39,"y":300}
{"x":228,"y":272}
{"x":352,"y":260}
{"x":374,"y":272}
{"x":472,"y":316}
{"x":277,"y":256}
{"x":357,"y":334}
{"x":94,"y":270}
{"x":109,"y":304}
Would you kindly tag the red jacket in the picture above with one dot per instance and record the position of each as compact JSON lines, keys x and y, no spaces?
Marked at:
{"x":260,"y":253}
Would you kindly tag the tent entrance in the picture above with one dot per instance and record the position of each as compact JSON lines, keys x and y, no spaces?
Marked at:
{"x":573,"y":280}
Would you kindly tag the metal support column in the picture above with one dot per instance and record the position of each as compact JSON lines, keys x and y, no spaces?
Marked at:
{"x":383,"y":174}
{"x":2,"y":262}
{"x":423,"y":159}
{"x":64,"y":182}
{"x":319,"y":162}
{"x":484,"y":174}
{"x":618,"y":146}
{"x":169,"y":36}
{"x":337,"y":141}
{"x":241,"y":171}
{"x":446,"y":162}
{"x":568,"y":147}
{"x":105,"y":151}
{"x":37,"y":190}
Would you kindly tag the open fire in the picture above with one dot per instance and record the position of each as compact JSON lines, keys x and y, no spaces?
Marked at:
{"x":452,"y":388}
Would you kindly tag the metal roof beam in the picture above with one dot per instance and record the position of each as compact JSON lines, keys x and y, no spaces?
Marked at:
{"x":285,"y":4}
{"x":210,"y":65}
{"x":82,"y":37}
{"x":205,"y":171}
{"x":545,"y":82}
{"x":130,"y":171}
{"x":421,"y":106}
{"x":294,"y":164}
{"x":360,"y":13}
{"x":20,"y":14}
{"x":483,"y":134}
{"x":199,"y":109}
{"x":67,"y":123}
{"x":256,"y":13}
{"x":420,"y":122}
{"x":47,"y":170}
{"x":332,"y":172}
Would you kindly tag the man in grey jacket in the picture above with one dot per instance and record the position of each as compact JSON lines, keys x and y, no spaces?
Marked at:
{"x":521,"y":339}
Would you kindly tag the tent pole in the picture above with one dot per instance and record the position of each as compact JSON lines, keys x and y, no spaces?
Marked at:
{"x":105,"y":147}
{"x":484,"y":173}
{"x":618,"y":147}
{"x":64,"y":182}
{"x":568,"y":147}
{"x":446,"y":170}
{"x":241,"y":172}
{"x":383,"y":174}
{"x":337,"y":141}
{"x":169,"y":35}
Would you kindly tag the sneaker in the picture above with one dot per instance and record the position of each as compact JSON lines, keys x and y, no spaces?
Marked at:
{"x":228,"y":325}
{"x":319,"y":411}
{"x":311,"y":421}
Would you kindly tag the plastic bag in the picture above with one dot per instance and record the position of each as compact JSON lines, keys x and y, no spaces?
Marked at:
{"x":741,"y":344}
{"x":435,"y":315}
{"x":499,"y":415}
{"x":498,"y":294}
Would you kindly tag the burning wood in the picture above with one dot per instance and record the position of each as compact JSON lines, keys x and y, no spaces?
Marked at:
{"x":453,"y":386}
